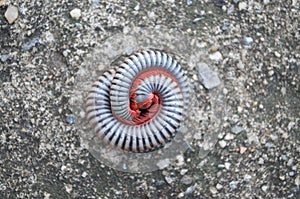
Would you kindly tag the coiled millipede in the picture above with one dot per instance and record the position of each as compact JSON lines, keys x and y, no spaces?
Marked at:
{"x":139,"y":105}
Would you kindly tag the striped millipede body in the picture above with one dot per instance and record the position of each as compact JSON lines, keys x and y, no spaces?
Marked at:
{"x":139,"y":105}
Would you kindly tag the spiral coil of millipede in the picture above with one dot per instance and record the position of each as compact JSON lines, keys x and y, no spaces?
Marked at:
{"x":139,"y":105}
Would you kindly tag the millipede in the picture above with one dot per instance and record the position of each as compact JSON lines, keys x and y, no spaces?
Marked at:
{"x":139,"y":105}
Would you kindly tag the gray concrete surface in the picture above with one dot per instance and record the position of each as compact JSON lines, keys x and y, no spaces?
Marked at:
{"x":253,"y":44}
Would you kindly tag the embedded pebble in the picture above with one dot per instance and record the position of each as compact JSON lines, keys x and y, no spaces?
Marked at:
{"x":183,"y":171}
{"x":84,"y":174}
{"x":229,"y":136}
{"x":240,"y":65}
{"x":242,"y":149}
{"x":227,"y":165}
{"x":75,"y":13}
{"x":216,"y":56}
{"x":47,"y":195}
{"x":233,"y":184}
{"x":292,"y":173}
{"x":282,"y":177}
{"x":219,"y":186}
{"x":242,"y":6}
{"x":213,"y":190}
{"x":247,"y":41}
{"x":180,"y":195}
{"x":180,"y":160}
{"x":237,"y":129}
{"x":169,"y":179}
{"x":30,"y":44}
{"x":260,"y":161}
{"x":230,"y":10}
{"x":68,"y":188}
{"x":269,"y":145}
{"x":207,"y":77}
{"x":297,"y":180}
{"x":95,"y":2}
{"x":277,"y":54}
{"x":264,"y":188}
{"x":189,"y":190}
{"x":247,"y":177}
{"x":4,"y":58}
{"x":225,"y":26}
{"x":222,"y":143}
{"x":71,"y":119}
{"x":221,"y":166}
{"x":163,"y":163}
{"x":159,"y":183}
{"x":11,"y":14}
{"x":186,"y":180}
{"x":290,"y":162}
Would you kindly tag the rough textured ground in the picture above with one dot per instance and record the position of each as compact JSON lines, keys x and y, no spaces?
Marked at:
{"x":258,"y":152}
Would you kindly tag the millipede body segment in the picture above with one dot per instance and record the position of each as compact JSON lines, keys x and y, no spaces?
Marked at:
{"x":139,"y":105}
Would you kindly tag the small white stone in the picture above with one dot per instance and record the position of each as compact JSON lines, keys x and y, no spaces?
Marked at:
{"x":169,"y":179}
{"x":233,"y":184}
{"x":11,"y":14}
{"x":242,"y":149}
{"x":137,"y":7}
{"x":47,"y":195}
{"x":183,"y":171}
{"x":222,"y":144}
{"x":151,"y":14}
{"x":84,"y":174}
{"x":171,"y":1}
{"x":277,"y":54}
{"x":283,"y":90}
{"x":65,"y":53}
{"x":227,"y":165}
{"x":237,"y":129}
{"x":213,"y":190}
{"x":247,"y":177}
{"x":180,"y":195}
{"x":126,"y":29}
{"x":180,"y":160}
{"x":240,"y":65}
{"x":195,"y":77}
{"x":271,"y":72}
{"x":297,"y":181}
{"x":260,"y":161}
{"x":242,"y":6}
{"x":282,"y":177}
{"x":225,"y":91}
{"x":229,"y":136}
{"x":68,"y":188}
{"x":219,"y":186}
{"x":291,"y":125}
{"x":239,"y":109}
{"x":216,"y":56}
{"x":75,"y":13}
{"x":63,"y":168}
{"x":247,"y":41}
{"x":264,"y":188}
